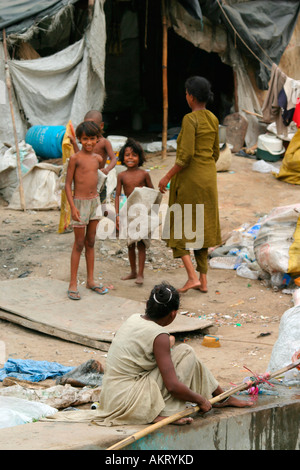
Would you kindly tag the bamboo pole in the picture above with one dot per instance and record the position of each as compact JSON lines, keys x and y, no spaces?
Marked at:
{"x":191,"y":410}
{"x":164,"y":79}
{"x":8,"y":84}
{"x":253,"y":114}
{"x":236,"y":99}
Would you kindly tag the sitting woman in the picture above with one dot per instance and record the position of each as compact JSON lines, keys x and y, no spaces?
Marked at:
{"x":145,"y":380}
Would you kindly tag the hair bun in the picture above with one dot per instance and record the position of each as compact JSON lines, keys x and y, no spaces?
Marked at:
{"x":163,"y":294}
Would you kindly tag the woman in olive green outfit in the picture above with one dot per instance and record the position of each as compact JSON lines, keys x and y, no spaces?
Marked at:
{"x":194,"y":182}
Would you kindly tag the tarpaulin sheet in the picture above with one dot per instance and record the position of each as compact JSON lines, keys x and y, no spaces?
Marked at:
{"x":266,"y":28}
{"x":33,"y":371}
{"x":54,"y":89}
{"x":18,"y":15}
{"x":261,"y":29}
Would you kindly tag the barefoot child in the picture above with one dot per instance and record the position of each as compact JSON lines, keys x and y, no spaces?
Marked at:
{"x":132,"y":156}
{"x":141,"y":383}
{"x":83,"y":171}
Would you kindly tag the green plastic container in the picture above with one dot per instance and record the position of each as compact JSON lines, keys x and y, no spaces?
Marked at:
{"x":267,"y":156}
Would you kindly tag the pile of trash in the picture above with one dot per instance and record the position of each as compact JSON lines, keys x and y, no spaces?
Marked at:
{"x":23,"y":400}
{"x":268,"y":250}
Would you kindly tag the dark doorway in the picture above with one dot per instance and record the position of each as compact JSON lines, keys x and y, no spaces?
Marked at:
{"x":134,"y":70}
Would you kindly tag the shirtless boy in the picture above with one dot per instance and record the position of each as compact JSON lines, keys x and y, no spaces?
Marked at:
{"x":132,"y":156}
{"x":83,"y":171}
{"x":102,"y":148}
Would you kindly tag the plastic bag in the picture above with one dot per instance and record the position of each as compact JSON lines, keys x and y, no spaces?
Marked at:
{"x":287,"y":344}
{"x":15,"y":411}
{"x":244,"y":271}
{"x":222,"y":262}
{"x":277,"y":247}
{"x":263,"y":167}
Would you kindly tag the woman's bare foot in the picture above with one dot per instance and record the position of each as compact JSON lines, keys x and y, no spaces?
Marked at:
{"x":139,"y":280}
{"x":180,"y":421}
{"x":195,"y":284}
{"x":203,"y":283}
{"x":130,"y":276}
{"x":200,"y":288}
{"x":232,"y":401}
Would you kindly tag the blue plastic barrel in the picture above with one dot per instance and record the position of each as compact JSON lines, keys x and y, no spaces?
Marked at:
{"x":46,"y":141}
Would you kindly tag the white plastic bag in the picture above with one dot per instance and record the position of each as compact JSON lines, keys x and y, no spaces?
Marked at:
{"x":263,"y":167}
{"x":222,"y":262}
{"x":287,"y":344}
{"x":244,"y":271}
{"x":14,"y":411}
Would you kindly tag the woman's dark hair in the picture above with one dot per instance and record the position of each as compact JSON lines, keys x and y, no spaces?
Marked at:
{"x":89,"y":128}
{"x":136,"y":147}
{"x":200,"y":88}
{"x":163,"y":299}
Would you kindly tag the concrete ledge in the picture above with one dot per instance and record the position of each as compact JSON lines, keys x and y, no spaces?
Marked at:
{"x":271,"y":424}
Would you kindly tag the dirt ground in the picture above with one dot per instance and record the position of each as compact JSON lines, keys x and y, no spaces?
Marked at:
{"x":245,"y":313}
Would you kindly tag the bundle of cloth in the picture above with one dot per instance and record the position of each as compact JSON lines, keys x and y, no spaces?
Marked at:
{"x":282,"y":103}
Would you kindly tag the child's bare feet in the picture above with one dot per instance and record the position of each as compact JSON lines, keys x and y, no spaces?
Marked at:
{"x":130,"y":276}
{"x":139,"y":280}
{"x":180,"y":421}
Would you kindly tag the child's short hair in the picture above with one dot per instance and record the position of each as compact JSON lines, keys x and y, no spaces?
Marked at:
{"x":136,"y":147}
{"x":88,"y":128}
{"x":95,"y":116}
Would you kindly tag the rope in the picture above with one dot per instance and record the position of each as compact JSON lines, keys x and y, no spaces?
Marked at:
{"x":253,"y":382}
{"x":242,"y":40}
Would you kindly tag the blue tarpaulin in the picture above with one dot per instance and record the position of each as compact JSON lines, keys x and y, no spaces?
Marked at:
{"x":33,"y":371}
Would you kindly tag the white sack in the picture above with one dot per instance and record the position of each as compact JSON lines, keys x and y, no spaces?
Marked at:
{"x":272,"y":244}
{"x":224,"y":160}
{"x":287,"y":344}
{"x":9,"y":179}
{"x":39,"y":185}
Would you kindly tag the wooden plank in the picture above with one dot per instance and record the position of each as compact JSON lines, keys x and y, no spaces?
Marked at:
{"x":49,"y":330}
{"x":43,"y":305}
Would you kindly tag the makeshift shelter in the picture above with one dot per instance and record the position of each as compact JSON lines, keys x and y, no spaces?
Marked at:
{"x":67,"y":56}
{"x":232,"y":43}
{"x":64,"y":75}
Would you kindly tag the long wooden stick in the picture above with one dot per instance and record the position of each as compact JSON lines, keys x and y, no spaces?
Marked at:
{"x":8,"y":84}
{"x":253,"y":114}
{"x":191,"y":410}
{"x":164,"y":80}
